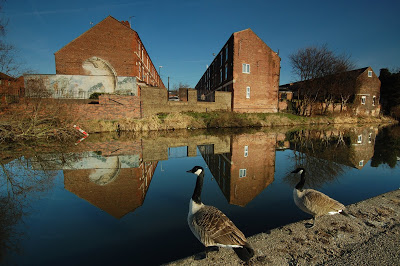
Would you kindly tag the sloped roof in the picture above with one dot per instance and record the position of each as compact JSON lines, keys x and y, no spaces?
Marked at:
{"x":349,"y":74}
{"x":122,"y":23}
{"x":4,"y":76}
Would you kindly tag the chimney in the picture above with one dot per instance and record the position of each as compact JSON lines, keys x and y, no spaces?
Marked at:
{"x":126,"y":23}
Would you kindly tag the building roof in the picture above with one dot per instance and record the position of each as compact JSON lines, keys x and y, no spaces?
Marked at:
{"x":349,"y":74}
{"x":4,"y":76}
{"x":123,"y":23}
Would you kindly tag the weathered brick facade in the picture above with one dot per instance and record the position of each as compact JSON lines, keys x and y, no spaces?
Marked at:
{"x":249,"y":69}
{"x":368,"y":87}
{"x":362,"y":84}
{"x":111,"y":43}
{"x":11,"y":89}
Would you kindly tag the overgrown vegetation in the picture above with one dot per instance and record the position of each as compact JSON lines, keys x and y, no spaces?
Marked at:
{"x":36,"y":121}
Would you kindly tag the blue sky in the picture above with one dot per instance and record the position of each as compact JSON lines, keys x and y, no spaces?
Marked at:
{"x":181,"y":36}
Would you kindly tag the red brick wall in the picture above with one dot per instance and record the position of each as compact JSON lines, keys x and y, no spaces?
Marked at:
{"x":110,"y":107}
{"x":112,"y":41}
{"x":369,"y":87}
{"x":263,"y":79}
{"x":114,"y":107}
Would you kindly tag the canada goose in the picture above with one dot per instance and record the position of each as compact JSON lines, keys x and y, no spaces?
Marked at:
{"x":314,"y":202}
{"x":212,"y":227}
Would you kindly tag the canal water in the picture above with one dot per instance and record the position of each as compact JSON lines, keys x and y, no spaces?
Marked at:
{"x":123,"y":199}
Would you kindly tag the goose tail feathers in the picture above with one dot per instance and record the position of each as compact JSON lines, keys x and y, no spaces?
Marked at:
{"x":244,"y":253}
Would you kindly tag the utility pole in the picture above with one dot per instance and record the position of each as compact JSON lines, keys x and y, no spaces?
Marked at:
{"x":168,"y":88}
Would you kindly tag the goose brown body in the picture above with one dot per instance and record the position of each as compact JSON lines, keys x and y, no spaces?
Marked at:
{"x":316,"y":203}
{"x":213,"y":228}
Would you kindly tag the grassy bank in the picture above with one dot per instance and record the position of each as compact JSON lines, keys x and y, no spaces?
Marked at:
{"x":192,"y":120}
{"x":40,"y":126}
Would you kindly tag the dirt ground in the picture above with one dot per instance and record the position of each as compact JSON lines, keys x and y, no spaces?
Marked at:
{"x":372,"y":237}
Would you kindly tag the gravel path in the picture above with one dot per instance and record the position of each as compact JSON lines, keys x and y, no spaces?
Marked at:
{"x":372,"y":237}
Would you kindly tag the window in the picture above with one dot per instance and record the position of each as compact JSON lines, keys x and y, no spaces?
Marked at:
{"x":361,"y":163}
{"x":370,"y":138}
{"x":246,"y":151}
{"x":220,"y":55}
{"x":248,"y":93}
{"x":373,"y":100}
{"x":226,"y":71}
{"x":226,"y":53}
{"x":369,"y":73}
{"x":242,"y":173}
{"x":246,"y":68}
{"x":359,"y":139}
{"x":363,"y":99}
{"x":220,"y":73}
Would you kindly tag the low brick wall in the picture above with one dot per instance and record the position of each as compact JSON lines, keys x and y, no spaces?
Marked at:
{"x":110,"y":107}
{"x":154,"y":100}
{"x":113,"y":107}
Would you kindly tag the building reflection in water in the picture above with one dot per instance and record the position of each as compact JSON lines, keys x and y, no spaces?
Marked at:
{"x":117,"y":176}
{"x":247,"y":169}
{"x":352,"y":147}
{"x":114,"y":178}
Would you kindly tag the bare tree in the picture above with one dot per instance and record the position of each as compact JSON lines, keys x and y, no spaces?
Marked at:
{"x":9,"y":61}
{"x":313,"y":66}
{"x":181,"y":85}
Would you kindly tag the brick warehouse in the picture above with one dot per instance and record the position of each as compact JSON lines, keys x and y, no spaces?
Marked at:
{"x":249,"y":69}
{"x":112,"y":43}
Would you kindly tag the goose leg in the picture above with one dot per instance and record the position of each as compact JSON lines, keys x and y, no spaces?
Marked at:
{"x":308,"y":225}
{"x":203,"y":254}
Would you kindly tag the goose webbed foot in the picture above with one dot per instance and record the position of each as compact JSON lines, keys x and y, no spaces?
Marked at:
{"x":310,"y":225}
{"x":200,"y":256}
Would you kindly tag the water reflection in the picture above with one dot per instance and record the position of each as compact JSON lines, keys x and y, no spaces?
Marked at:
{"x":108,"y":178}
{"x":113,"y":174}
{"x":19,"y":184}
{"x":328,"y":154}
{"x":245,"y":167}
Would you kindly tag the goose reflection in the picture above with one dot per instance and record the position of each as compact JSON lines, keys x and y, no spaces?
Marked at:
{"x":212,"y":227}
{"x":314,"y":202}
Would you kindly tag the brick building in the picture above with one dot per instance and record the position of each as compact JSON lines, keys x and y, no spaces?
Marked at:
{"x":11,"y":88}
{"x":249,"y":69}
{"x":110,"y":47}
{"x":360,"y":88}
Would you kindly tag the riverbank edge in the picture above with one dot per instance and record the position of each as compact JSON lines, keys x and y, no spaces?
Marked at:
{"x":173,"y":121}
{"x":374,"y":229}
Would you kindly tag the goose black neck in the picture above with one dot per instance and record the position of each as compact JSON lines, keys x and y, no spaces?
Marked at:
{"x":300,"y":185}
{"x":197,"y":190}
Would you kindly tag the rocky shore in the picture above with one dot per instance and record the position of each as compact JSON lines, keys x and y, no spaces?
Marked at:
{"x":372,"y":237}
